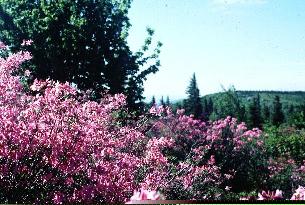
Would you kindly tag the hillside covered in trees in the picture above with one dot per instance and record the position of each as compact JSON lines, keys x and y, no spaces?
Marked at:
{"x":256,"y":108}
{"x":288,"y":98}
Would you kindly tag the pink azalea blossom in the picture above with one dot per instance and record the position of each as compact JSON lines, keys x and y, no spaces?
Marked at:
{"x":270,"y":195}
{"x":299,"y":194}
{"x":145,"y":195}
{"x":26,"y":42}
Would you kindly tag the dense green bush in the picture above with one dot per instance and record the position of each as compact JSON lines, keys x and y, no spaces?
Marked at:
{"x":286,"y":149}
{"x":286,"y":141}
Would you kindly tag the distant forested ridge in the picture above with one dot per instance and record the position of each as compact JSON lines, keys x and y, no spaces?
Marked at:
{"x":256,"y":108}
{"x":287,"y":97}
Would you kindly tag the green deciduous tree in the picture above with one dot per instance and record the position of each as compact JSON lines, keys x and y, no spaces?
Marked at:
{"x":229,"y":104}
{"x":83,"y":42}
{"x":193,"y":103}
{"x":296,"y":116}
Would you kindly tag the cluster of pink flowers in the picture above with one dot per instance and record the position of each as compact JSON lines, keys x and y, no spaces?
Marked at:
{"x":59,"y":147}
{"x":3,"y":46}
{"x":198,"y":145}
{"x":144,"y":195}
{"x":270,"y":195}
{"x":27,"y":42}
{"x":299,"y":194}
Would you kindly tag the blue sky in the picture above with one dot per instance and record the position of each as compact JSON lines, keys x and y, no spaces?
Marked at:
{"x":251,"y":44}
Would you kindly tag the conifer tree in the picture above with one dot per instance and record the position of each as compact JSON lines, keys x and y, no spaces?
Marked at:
{"x":266,"y":114}
{"x":179,"y":106}
{"x":152,"y":102}
{"x":193,"y":103}
{"x":255,"y":119}
{"x":167,"y":103}
{"x":277,"y":114}
{"x":205,"y":109}
{"x":162,"y":102}
{"x":210,"y":106}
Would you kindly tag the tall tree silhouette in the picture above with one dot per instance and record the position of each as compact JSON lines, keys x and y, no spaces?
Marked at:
{"x":193,"y":103}
{"x":277,"y":114}
{"x":152,"y":102}
{"x":266,"y":114}
{"x":167,"y":102}
{"x":84,"y":42}
{"x":255,"y":119}
{"x":162,"y":102}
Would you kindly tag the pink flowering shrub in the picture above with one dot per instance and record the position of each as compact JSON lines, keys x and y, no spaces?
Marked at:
{"x":206,"y":161}
{"x":145,"y":195}
{"x":285,"y":147}
{"x":270,"y":195}
{"x":299,"y":194}
{"x":58,"y":147}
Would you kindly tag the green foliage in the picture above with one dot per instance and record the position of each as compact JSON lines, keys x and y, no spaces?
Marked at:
{"x":152,"y":102}
{"x":228,"y":104}
{"x":277,"y":114}
{"x":255,"y":119}
{"x":286,"y":142}
{"x":286,"y":147}
{"x":282,"y":176}
{"x":162,"y":101}
{"x":296,"y":116}
{"x":234,"y":103}
{"x":207,"y":108}
{"x":266,"y":114}
{"x":250,"y":170}
{"x":83,"y":42}
{"x":192,"y":104}
{"x":167,"y":102}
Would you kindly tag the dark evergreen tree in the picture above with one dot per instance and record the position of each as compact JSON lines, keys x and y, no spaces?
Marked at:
{"x":242,"y":113}
{"x":167,"y":103}
{"x":179,"y":106}
{"x":162,"y":102}
{"x":84,"y":42}
{"x":210,"y":106}
{"x":291,"y":109}
{"x":255,"y":119}
{"x":152,"y":102}
{"x":193,"y":103}
{"x":266,"y":114}
{"x":205,"y":106}
{"x":277,"y":114}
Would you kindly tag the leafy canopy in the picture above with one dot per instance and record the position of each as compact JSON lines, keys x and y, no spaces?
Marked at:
{"x":83,"y":42}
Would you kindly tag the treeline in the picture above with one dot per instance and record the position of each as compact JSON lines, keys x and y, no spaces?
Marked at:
{"x":255,"y":108}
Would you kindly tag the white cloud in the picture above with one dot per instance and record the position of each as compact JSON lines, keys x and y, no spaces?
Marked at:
{"x":232,"y":2}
